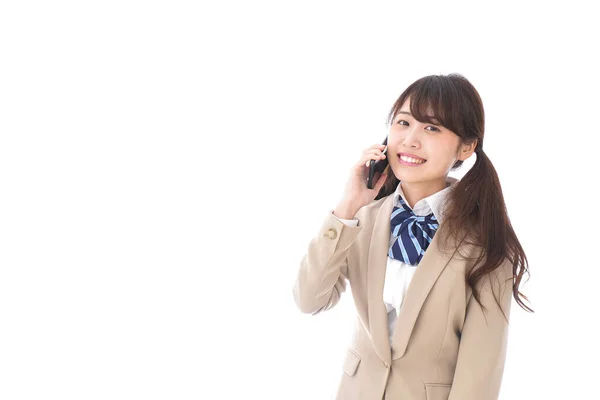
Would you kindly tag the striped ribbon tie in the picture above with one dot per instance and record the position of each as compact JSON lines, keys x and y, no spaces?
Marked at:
{"x":412,"y":234}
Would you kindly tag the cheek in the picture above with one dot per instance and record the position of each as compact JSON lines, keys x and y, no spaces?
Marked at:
{"x":442,"y":155}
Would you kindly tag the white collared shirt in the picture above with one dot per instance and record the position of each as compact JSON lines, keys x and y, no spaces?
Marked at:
{"x":398,"y":275}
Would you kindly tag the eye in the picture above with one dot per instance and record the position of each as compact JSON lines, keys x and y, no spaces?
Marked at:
{"x":434,"y":129}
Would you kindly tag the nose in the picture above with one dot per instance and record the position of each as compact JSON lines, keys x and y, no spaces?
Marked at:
{"x":411,"y":139}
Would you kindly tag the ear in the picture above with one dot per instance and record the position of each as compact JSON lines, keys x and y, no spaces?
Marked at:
{"x":466,"y":150}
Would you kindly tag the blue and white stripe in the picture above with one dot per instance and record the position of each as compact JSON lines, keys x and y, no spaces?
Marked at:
{"x":412,"y":234}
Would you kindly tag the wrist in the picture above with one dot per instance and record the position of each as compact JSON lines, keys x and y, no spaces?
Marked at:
{"x":345,"y":211}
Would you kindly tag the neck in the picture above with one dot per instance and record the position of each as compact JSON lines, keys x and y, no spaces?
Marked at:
{"x":415,"y":191}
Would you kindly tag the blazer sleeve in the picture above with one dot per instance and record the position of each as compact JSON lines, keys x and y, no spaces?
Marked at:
{"x":321,"y":278}
{"x":483,"y":341}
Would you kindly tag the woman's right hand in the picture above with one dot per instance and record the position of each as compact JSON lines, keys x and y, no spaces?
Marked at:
{"x":357,"y":194}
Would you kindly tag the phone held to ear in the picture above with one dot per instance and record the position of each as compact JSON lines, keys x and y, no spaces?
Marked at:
{"x":377,"y":166}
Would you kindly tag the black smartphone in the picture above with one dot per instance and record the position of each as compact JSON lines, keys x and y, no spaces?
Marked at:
{"x":377,"y":166}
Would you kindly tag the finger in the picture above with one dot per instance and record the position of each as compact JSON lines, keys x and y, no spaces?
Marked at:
{"x":375,"y":157}
{"x":366,"y":160}
{"x":373,"y":151}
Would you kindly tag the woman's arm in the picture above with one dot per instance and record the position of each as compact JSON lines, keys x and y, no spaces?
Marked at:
{"x":323,"y":270}
{"x":482,"y":349}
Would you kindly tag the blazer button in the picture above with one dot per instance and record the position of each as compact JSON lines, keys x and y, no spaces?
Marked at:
{"x":331,"y":234}
{"x":386,"y":364}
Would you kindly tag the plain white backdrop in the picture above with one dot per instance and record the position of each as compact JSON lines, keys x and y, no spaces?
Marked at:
{"x":164,"y":165}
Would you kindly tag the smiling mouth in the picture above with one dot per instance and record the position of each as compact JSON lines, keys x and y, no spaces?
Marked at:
{"x":411,"y":160}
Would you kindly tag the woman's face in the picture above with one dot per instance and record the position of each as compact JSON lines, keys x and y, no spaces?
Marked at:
{"x":438,"y":146}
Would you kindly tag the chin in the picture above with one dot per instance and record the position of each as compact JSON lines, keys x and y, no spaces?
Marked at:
{"x":417,"y":178}
{"x":409,"y":176}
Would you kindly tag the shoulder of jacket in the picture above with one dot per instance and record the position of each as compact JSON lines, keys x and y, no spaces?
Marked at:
{"x":371,"y":209}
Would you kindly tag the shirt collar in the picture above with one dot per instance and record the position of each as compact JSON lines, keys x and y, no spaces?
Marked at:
{"x":433,"y":203}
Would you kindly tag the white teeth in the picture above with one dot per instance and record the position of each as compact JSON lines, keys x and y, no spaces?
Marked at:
{"x":411,"y":160}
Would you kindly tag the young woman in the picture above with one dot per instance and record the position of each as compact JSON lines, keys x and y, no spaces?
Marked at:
{"x":432,"y":261}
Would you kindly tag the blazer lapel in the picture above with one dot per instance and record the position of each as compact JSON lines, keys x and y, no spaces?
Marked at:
{"x":428,"y":270}
{"x":377,"y":261}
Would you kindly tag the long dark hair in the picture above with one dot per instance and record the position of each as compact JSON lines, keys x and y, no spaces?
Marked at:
{"x":475,"y":212}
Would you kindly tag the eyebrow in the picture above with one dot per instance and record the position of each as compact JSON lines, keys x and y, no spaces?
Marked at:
{"x":407,"y":113}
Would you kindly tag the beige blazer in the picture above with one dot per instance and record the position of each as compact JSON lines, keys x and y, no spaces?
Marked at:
{"x":444,"y":346}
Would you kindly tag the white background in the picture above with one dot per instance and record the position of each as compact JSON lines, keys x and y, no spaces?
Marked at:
{"x":164,"y":165}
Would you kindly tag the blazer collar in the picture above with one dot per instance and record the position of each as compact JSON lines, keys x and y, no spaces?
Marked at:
{"x":432,"y":203}
{"x":430,"y":267}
